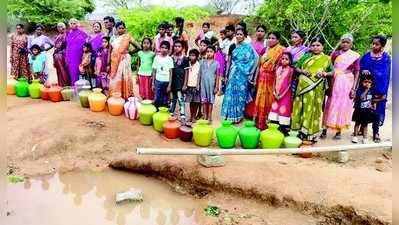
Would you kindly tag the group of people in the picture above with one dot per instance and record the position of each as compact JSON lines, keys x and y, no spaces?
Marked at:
{"x":298,"y":87}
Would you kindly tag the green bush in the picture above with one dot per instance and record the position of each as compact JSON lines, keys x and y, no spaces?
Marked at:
{"x":329,"y":18}
{"x":48,"y":12}
{"x":143,"y":21}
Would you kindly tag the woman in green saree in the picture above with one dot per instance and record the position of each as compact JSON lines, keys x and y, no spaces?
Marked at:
{"x":313,"y":68}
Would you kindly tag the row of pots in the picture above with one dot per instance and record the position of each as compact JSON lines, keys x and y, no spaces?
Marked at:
{"x":35,"y":90}
{"x":201,"y":132}
{"x":226,"y":135}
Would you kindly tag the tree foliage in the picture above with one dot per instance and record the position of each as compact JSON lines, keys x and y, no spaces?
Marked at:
{"x":48,"y":12}
{"x":144,"y":21}
{"x":328,"y":18}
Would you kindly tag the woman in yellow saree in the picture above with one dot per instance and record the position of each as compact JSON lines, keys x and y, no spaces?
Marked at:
{"x":120,"y":77}
{"x":314,"y":67}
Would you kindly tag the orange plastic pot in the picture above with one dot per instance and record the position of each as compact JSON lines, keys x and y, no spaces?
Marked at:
{"x":55,"y":93}
{"x":306,"y":144}
{"x":45,"y":93}
{"x":171,"y":128}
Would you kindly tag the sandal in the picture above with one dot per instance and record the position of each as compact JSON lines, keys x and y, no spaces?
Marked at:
{"x":323,"y":134}
{"x":338,"y":136}
{"x":376,"y":138}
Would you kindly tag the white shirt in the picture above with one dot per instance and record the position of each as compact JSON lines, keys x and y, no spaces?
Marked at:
{"x":162,"y":65}
{"x":193,"y":73}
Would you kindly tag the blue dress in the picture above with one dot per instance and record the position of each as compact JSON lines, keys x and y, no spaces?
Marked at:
{"x":239,"y":90}
{"x":380,"y":69}
{"x":208,"y":80}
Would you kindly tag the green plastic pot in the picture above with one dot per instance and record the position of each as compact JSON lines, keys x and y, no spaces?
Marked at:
{"x":22,"y":87}
{"x":146,"y":111}
{"x":202,"y":133}
{"x":160,"y":118}
{"x":271,"y":137}
{"x":249,"y":135}
{"x":84,"y":96}
{"x":226,"y":135}
{"x":292,"y":141}
{"x":34,"y":89}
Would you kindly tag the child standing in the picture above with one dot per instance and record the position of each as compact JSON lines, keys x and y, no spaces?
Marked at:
{"x":179,"y":74}
{"x":85,"y":68}
{"x":162,"y":75}
{"x":282,"y":106}
{"x":37,"y":62}
{"x":203,"y":47}
{"x":146,"y":59}
{"x":364,"y":109}
{"x":205,"y":34}
{"x":161,"y":37}
{"x":102,"y":65}
{"x":209,"y":79}
{"x":191,"y":85}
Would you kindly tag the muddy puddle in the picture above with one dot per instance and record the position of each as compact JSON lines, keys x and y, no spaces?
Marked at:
{"x":88,"y":198}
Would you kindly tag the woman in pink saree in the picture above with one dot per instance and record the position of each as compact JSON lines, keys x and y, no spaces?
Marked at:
{"x":338,"y":109}
{"x":120,"y":77}
{"x":75,"y":38}
{"x":96,"y":40}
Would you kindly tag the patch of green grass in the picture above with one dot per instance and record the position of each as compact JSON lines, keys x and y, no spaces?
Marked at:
{"x":212,"y":211}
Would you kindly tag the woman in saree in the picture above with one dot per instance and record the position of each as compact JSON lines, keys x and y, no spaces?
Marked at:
{"x":266,"y":79}
{"x":19,"y":53}
{"x":238,"y":91}
{"x":45,"y":44}
{"x":59,"y":56}
{"x":339,"y":105}
{"x":378,"y":63}
{"x":75,"y":38}
{"x":260,"y":43}
{"x":297,"y":50}
{"x":96,"y":40}
{"x":313,"y":68}
{"x":120,"y":77}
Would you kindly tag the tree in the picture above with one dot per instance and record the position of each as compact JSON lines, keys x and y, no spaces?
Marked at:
{"x":328,"y":18}
{"x":48,"y":12}
{"x":224,"y":5}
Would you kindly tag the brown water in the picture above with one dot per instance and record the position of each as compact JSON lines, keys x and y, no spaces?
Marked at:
{"x":88,"y":198}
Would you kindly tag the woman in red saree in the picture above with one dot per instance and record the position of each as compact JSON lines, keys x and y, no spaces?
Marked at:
{"x":266,"y":79}
{"x":19,"y":53}
{"x":120,"y":77}
{"x":59,"y":56}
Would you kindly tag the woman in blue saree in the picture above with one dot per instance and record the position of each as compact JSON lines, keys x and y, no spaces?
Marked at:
{"x":240,"y":84}
{"x":378,"y":63}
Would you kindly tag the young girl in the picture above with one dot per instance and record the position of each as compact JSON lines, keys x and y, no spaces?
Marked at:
{"x":364,"y":109}
{"x":282,"y":105}
{"x":85,"y":65}
{"x":191,"y":85}
{"x":209,"y":79}
{"x":37,"y":62}
{"x":146,"y":58}
{"x":102,"y":65}
{"x":202,"y":48}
